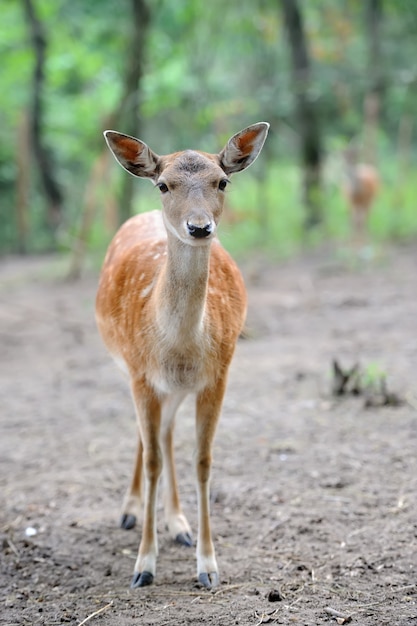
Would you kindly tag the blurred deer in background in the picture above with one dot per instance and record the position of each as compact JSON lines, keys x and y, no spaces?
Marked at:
{"x":170,"y":306}
{"x":361,"y":184}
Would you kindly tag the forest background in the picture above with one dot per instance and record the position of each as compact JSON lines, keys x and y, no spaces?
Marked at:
{"x":325,"y":74}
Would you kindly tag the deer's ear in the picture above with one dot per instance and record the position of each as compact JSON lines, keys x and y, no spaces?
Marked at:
{"x":243,"y":148}
{"x":132,"y":154}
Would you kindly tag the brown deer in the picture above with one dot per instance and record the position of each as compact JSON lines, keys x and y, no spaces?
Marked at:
{"x":361,"y":184}
{"x":170,"y":306}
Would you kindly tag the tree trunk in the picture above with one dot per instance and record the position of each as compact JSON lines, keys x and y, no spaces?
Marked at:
{"x":23,"y":162}
{"x":307,"y":118}
{"x":130,"y":103}
{"x":52,"y":191}
{"x":98,"y":174}
{"x":126,"y":117}
{"x":376,"y":83}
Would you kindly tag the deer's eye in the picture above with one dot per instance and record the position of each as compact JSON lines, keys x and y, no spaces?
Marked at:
{"x":223,"y":184}
{"x":163,"y":188}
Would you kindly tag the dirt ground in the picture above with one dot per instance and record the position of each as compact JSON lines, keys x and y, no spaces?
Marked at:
{"x":313,"y":497}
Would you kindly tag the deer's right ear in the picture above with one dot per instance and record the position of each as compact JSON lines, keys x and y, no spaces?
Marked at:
{"x":132,"y":154}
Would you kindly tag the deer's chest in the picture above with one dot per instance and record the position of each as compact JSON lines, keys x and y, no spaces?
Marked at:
{"x":174,"y":369}
{"x":185,"y":365}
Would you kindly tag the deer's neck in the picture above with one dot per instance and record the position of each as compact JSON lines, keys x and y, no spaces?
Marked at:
{"x":182,"y":291}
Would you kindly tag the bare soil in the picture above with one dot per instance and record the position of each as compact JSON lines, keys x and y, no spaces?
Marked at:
{"x":313,"y":497}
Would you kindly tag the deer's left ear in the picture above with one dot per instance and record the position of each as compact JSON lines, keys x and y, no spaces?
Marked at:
{"x":243,"y":148}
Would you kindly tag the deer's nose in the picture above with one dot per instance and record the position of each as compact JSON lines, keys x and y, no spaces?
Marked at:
{"x":199,"y":232}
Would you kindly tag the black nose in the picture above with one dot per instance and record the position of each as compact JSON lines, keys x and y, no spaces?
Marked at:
{"x":200,"y":232}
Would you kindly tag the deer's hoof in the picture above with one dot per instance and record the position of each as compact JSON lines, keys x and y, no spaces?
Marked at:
{"x":127,"y":521}
{"x":208,"y":580}
{"x":141,"y":579}
{"x":184,"y":539}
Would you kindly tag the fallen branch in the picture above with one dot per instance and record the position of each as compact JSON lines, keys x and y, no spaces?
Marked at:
{"x":265,"y":618}
{"x":341,"y":618}
{"x":13,"y":547}
{"x":104,"y":608}
{"x":228,"y":588}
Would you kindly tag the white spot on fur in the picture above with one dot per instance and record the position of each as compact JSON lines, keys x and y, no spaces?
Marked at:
{"x":120,"y":363}
{"x":146,"y":291}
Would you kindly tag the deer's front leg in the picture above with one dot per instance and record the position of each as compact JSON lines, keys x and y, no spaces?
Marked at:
{"x":209,"y":404}
{"x":177,"y":523}
{"x":149,"y":419}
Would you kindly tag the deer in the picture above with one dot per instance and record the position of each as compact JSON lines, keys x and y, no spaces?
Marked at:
{"x":170,"y":306}
{"x":361,"y":184}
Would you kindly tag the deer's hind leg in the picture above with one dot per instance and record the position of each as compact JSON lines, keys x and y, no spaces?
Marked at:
{"x":132,"y":503}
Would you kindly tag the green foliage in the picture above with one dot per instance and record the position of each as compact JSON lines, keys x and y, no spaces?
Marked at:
{"x":373,"y":374}
{"x":210,"y":70}
{"x":264,"y":214}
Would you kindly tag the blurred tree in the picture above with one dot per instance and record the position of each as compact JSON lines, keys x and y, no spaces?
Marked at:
{"x":376,"y":83}
{"x":128,"y":114}
{"x":126,"y":117}
{"x":45,"y":163}
{"x":306,"y":114}
{"x":207,"y":73}
{"x":23,"y":162}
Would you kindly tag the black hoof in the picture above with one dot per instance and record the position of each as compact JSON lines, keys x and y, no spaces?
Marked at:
{"x":184,"y":539}
{"x":141,"y":579}
{"x":208,"y":580}
{"x":127,"y":521}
